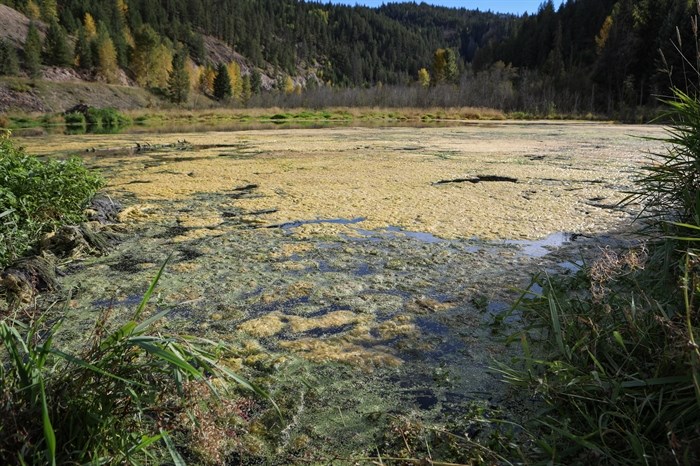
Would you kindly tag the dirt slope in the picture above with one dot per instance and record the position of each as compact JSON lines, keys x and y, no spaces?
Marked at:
{"x":15,"y":25}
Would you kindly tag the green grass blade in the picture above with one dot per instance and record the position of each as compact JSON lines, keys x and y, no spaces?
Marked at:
{"x":81,"y":363}
{"x":174,"y":454}
{"x":170,"y":357}
{"x":49,"y":434}
{"x":151,"y":288}
{"x":147,"y":323}
{"x":556,"y":324}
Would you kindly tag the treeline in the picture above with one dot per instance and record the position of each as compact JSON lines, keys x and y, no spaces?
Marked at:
{"x":587,"y":56}
{"x":345,"y":46}
{"x":610,"y":55}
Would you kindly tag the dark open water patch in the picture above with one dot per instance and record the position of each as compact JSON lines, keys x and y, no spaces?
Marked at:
{"x":541,"y":247}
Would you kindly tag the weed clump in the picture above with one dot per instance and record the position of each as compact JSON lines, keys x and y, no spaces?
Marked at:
{"x":105,"y":120}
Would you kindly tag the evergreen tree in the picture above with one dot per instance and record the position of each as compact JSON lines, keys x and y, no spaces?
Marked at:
{"x":179,"y":79}
{"x":32,"y":51}
{"x":57,"y":51}
{"x":245,"y":88}
{"x":222,"y":83}
{"x":49,"y":10}
{"x":8,"y":58}
{"x":255,"y":82}
{"x":83,"y":51}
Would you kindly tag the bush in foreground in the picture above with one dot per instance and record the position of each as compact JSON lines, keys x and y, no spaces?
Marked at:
{"x":37,"y":196}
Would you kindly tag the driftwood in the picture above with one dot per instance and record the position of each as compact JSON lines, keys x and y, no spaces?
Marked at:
{"x":26,"y":277}
{"x":479,"y":179}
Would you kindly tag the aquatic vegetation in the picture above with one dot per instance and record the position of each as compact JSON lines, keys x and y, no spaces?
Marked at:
{"x":335,"y":269}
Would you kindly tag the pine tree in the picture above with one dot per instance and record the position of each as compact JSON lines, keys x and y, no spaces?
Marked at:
{"x":255,"y":82}
{"x":56,"y":49}
{"x":245,"y":89}
{"x":83,"y":51}
{"x":49,"y":10}
{"x":222,"y":83}
{"x":32,"y":51}
{"x":8,"y":59}
{"x":179,"y":79}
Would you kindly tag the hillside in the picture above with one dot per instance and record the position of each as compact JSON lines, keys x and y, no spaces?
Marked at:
{"x":587,"y":56}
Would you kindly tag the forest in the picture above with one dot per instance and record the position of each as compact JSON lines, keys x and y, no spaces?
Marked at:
{"x":587,"y":56}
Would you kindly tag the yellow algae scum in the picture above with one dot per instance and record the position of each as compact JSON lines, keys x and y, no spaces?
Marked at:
{"x":488,"y":180}
{"x":354,"y":271}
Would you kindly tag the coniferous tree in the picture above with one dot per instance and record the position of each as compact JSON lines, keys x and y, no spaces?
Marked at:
{"x":32,"y":10}
{"x":222,"y":83}
{"x":83,"y":51}
{"x":32,"y":51}
{"x":90,"y":26}
{"x":255,"y":82}
{"x":245,"y":88}
{"x":8,"y":59}
{"x":179,"y":79}
{"x":49,"y":10}
{"x":57,"y":51}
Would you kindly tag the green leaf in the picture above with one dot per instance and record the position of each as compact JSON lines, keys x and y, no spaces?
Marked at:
{"x":49,"y":434}
{"x":149,"y":292}
{"x":174,"y":454}
{"x":618,"y":339}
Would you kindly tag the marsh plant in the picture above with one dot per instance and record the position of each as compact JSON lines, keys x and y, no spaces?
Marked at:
{"x":613,"y":350}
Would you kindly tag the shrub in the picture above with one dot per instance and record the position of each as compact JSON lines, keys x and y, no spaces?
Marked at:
{"x":105,"y":119}
{"x":37,"y":196}
{"x":75,"y":120}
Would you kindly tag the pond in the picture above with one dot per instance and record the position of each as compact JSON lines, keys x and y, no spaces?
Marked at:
{"x":357,"y":271}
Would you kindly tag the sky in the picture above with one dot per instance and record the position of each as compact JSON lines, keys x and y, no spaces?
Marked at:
{"x":501,"y":6}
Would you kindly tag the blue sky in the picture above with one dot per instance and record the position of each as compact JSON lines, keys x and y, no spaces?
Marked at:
{"x":503,"y":6}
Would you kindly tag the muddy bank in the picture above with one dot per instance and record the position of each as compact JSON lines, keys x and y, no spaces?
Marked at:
{"x":348,"y":280}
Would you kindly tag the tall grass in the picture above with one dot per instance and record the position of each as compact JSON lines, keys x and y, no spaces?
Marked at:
{"x":613,"y":351}
{"x":109,"y":403}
